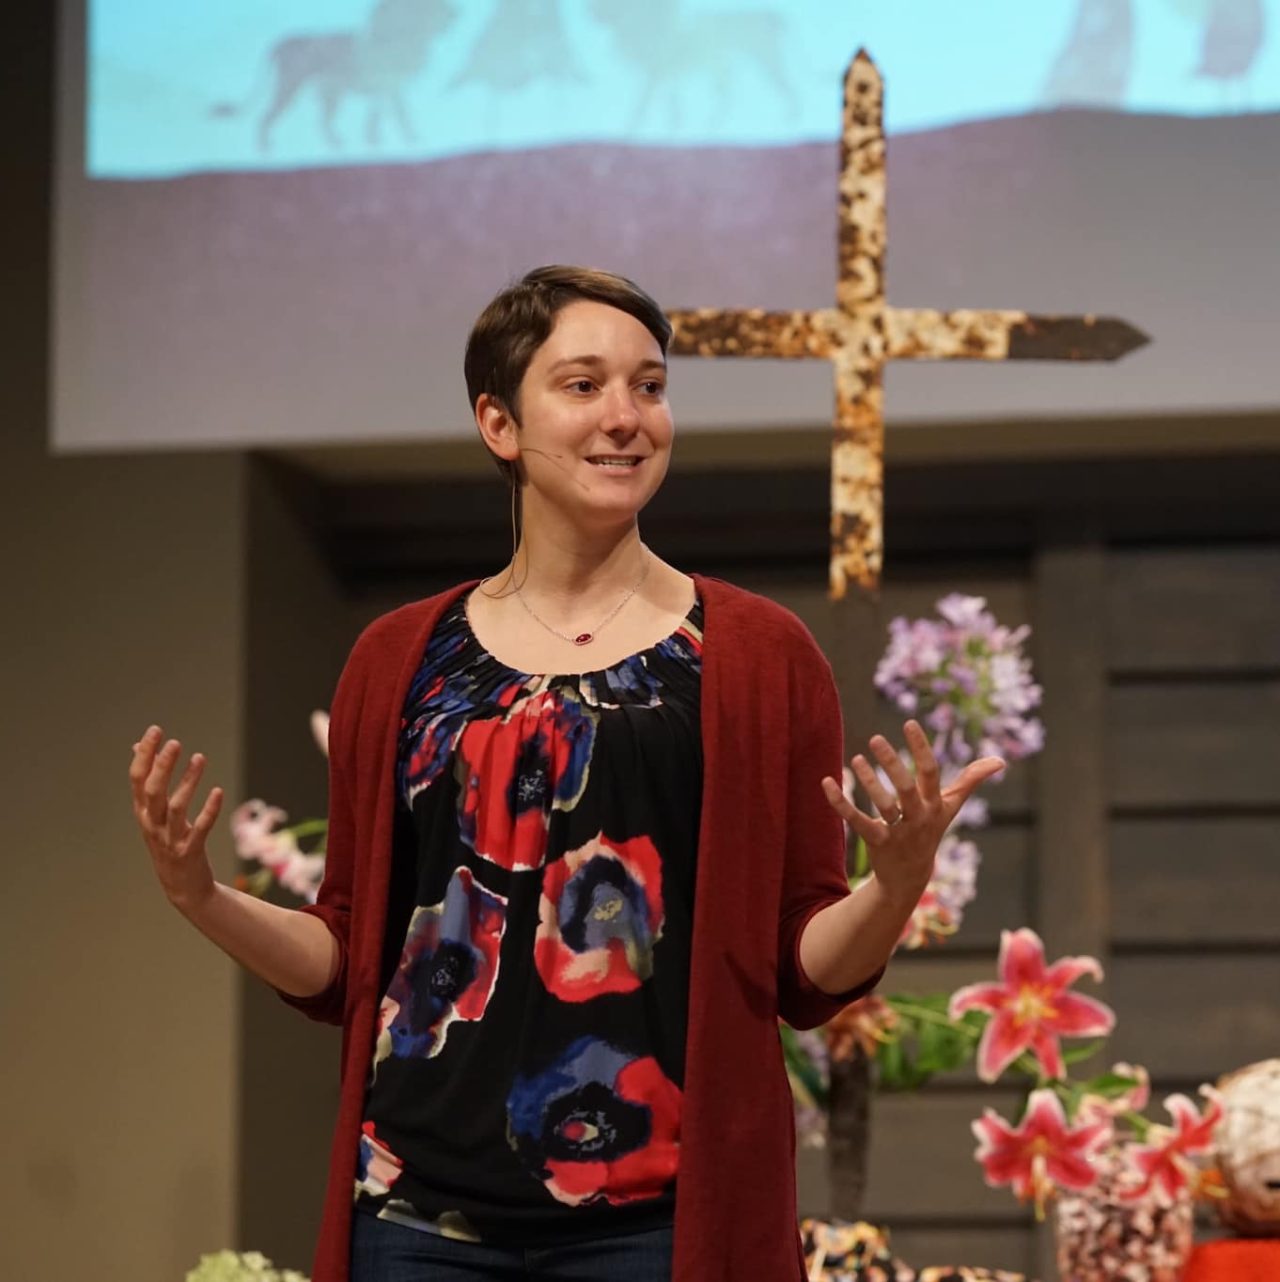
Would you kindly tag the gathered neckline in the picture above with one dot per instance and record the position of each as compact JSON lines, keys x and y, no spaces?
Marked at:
{"x":465,"y":617}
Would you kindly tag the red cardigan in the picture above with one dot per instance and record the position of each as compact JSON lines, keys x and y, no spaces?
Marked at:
{"x":770,"y":854}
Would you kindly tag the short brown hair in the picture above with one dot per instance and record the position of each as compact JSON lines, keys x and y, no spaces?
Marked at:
{"x":520,"y":319}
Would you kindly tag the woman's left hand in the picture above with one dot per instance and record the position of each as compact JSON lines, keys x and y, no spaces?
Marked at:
{"x":902,"y":843}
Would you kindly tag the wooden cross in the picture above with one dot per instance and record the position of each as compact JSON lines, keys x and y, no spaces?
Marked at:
{"x":862,"y":332}
{"x":858,"y":336}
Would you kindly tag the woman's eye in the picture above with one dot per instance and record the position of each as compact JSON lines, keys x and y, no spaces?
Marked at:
{"x":581,"y":385}
{"x":652,"y":387}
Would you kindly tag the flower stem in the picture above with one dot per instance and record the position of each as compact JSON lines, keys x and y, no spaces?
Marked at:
{"x":308,"y":828}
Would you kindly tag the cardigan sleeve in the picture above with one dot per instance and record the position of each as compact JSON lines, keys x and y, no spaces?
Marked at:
{"x":814,"y":874}
{"x":333,"y":900}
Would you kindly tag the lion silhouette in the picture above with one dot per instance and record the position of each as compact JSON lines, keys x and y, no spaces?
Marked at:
{"x":376,"y":62}
{"x":671,"y":48}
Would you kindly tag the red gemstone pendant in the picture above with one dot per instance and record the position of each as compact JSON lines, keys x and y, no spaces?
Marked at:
{"x":582,"y":638}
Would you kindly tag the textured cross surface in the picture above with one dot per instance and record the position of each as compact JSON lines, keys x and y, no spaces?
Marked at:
{"x":861,"y":332}
{"x":858,"y":335}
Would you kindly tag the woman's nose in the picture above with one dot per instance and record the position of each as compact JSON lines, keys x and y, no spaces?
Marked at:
{"x":620,"y":410}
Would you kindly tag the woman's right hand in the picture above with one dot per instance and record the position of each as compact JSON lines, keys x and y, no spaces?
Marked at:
{"x":177,"y":846}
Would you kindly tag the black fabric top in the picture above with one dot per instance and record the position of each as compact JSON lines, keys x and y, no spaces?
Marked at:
{"x":526,"y":1084}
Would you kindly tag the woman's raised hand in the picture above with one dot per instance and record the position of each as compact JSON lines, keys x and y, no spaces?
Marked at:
{"x":914,"y":814}
{"x":177,"y":845}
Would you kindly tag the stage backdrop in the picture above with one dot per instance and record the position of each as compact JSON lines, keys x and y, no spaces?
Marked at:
{"x":277,"y":218}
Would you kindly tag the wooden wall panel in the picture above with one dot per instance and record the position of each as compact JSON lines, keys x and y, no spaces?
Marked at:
{"x":1201,"y":609}
{"x":1175,"y":746}
{"x":1192,"y":881}
{"x":1071,"y":883}
{"x":922,"y":1158}
{"x":1005,"y":883}
{"x":1191,"y":1018}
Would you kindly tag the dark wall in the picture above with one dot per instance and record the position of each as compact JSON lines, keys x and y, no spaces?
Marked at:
{"x":122,"y":590}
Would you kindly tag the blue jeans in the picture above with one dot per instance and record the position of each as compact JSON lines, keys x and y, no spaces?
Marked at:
{"x":383,"y":1251}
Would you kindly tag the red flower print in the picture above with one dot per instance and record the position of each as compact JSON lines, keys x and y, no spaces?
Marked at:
{"x":599,"y":918}
{"x":377,"y":1167}
{"x":597,"y":1125}
{"x":515,"y":770}
{"x":448,"y":969}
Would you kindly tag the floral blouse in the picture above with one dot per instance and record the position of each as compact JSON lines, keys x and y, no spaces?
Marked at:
{"x":526,"y":1080}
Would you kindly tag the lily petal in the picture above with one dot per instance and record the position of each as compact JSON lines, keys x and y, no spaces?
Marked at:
{"x":1066,"y":970}
{"x":1021,"y":958}
{"x":1071,"y":1170}
{"x":1045,"y":1047}
{"x":1003,"y":1040}
{"x":991,"y":997}
{"x":1077,"y":1016}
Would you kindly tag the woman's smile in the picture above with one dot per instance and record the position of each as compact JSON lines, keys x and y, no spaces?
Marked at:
{"x":616,"y":462}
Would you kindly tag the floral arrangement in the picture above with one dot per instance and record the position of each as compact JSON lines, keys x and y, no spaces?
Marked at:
{"x":234,"y":1266}
{"x":260,"y":836}
{"x":965,"y":678}
{"x":1070,"y":1132}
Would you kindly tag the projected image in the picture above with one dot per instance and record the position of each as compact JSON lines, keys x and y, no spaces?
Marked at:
{"x":277,"y":219}
{"x":263,"y":84}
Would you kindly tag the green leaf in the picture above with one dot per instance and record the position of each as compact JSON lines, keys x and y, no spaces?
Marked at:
{"x":942,"y":1048}
{"x":308,"y":828}
{"x":1078,"y":1053}
{"x":861,"y":860}
{"x":894,"y":1065}
{"x":1027,"y":1065}
{"x":256,"y":883}
{"x":1109,"y":1085}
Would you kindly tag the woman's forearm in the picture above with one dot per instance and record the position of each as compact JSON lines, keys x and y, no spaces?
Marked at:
{"x":848,"y":941}
{"x":292,"y":951}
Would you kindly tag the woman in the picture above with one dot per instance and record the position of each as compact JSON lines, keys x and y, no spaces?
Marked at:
{"x":559,"y":1060}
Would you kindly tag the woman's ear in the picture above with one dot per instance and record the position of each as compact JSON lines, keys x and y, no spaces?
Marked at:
{"x":497,"y":427}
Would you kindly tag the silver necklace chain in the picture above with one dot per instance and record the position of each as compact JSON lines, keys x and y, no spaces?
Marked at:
{"x":586,"y":638}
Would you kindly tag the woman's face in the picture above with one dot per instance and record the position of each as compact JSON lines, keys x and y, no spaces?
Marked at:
{"x":595,"y":426}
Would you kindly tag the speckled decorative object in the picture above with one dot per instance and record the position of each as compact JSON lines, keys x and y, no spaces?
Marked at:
{"x":843,"y":1251}
{"x":1101,"y":1238}
{"x":961,"y":1273}
{"x":1248,"y":1150}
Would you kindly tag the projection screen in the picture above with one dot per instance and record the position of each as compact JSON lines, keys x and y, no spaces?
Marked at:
{"x":276,"y":219}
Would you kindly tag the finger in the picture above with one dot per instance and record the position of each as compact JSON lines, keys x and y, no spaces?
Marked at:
{"x":204,"y":821}
{"x":901,"y":778}
{"x":181,"y":798}
{"x":883,"y":800}
{"x":928,"y":775}
{"x":873,"y":831}
{"x":837,"y":797}
{"x":156,"y":789}
{"x":975,"y":773}
{"x":144,"y":752}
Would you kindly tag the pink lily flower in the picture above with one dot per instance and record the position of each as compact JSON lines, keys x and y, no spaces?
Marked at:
{"x":1031,"y":1008}
{"x":1097,"y":1108}
{"x":1043,"y":1152}
{"x":1165,"y":1165}
{"x":320,"y":730}
{"x":254,"y":832}
{"x":930,"y":922}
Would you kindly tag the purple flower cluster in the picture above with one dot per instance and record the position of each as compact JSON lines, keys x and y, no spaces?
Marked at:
{"x":955,"y":875}
{"x":966,"y":679}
